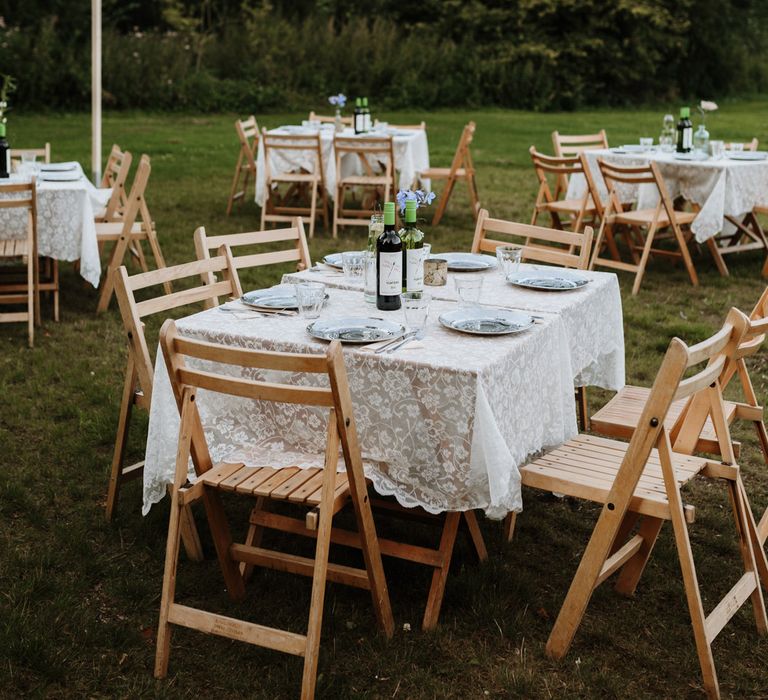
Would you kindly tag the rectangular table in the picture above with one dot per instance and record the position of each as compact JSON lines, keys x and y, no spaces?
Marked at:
{"x":443,"y":425}
{"x":411,"y":152}
{"x":65,"y":221}
{"x":721,"y":188}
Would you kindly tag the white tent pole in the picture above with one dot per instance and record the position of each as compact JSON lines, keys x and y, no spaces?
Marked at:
{"x":96,"y":91}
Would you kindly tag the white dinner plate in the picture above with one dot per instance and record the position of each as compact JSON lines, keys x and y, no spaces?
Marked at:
{"x":688,"y":156}
{"x":60,"y":176}
{"x":486,"y":321}
{"x":355,"y":329}
{"x":281,"y":296}
{"x":334,"y":260}
{"x":58,"y":167}
{"x":554,"y":280}
{"x":748,"y":155}
{"x":634,"y":148}
{"x":466,"y":262}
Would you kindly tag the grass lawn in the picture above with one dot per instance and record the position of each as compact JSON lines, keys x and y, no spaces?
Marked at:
{"x":80,"y":597}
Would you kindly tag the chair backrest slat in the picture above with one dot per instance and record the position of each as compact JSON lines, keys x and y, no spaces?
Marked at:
{"x":181,"y":298}
{"x":328,"y":119}
{"x":538,"y":243}
{"x":115,"y":176}
{"x":44,"y":152}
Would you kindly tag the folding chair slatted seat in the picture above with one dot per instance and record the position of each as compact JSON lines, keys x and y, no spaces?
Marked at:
{"x":620,"y":416}
{"x":642,"y":225}
{"x":323,"y":490}
{"x":462,"y":168}
{"x":26,"y":289}
{"x":139,"y":372}
{"x":642,"y":481}
{"x":127,"y":234}
{"x":376,"y":157}
{"x":573,"y":213}
{"x":115,"y":176}
{"x":298,"y":251}
{"x":307,"y":181}
{"x":248,"y":136}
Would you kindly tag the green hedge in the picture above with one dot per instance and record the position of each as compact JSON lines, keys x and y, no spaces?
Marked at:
{"x":532,"y":54}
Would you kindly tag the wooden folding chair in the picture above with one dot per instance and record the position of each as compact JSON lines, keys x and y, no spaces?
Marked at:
{"x":641,"y":225}
{"x":298,"y":252}
{"x":547,"y":245}
{"x":643,"y":480}
{"x":115,"y":176}
{"x":139,"y":372}
{"x":44,"y":153}
{"x":127,"y":234}
{"x":745,"y":145}
{"x":307,"y":181}
{"x":567,"y":146}
{"x":461,"y":168}
{"x":620,"y":416}
{"x":552,"y":201}
{"x":26,"y":289}
{"x":248,"y":136}
{"x":323,"y":491}
{"x":377,"y":162}
{"x":328,"y":119}
{"x":564,"y":248}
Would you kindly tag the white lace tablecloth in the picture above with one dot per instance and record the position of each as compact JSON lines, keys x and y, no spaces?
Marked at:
{"x":721,"y":188}
{"x":443,"y":425}
{"x":65,"y":224}
{"x":410,"y":148}
{"x":591,"y":316}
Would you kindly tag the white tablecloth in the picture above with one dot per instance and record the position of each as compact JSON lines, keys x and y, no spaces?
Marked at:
{"x":65,"y":225}
{"x":443,"y":426}
{"x":410,"y":147}
{"x":720,"y":187}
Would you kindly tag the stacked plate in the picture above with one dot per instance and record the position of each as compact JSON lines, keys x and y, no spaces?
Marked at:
{"x":488,"y":321}
{"x":355,"y":329}
{"x":747,"y":155}
{"x":466,"y":262}
{"x":60,"y":172}
{"x":554,"y":280}
{"x":279,"y":298}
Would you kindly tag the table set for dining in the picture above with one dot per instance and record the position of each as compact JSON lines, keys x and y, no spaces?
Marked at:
{"x":410,"y":150}
{"x":731,"y":184}
{"x":444,"y":421}
{"x":66,"y":203}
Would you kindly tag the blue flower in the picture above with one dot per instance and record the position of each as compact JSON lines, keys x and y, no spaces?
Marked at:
{"x":421,"y":198}
{"x":338,"y":100}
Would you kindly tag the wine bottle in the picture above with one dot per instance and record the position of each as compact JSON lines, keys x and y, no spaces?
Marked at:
{"x":684,"y":131}
{"x":5,"y":154}
{"x":358,"y":118}
{"x":366,"y":116}
{"x":389,"y":263}
{"x":413,"y":250}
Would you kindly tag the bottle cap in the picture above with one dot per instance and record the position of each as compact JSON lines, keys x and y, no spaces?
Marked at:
{"x":685,"y":112}
{"x":358,"y":102}
{"x":389,"y":213}
{"x":410,"y":210}
{"x":365,"y":102}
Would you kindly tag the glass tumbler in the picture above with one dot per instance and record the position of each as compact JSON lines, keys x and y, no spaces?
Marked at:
{"x":508,"y":257}
{"x":310,"y":297}
{"x":354,"y":264}
{"x":469,"y":290}
{"x":415,"y":309}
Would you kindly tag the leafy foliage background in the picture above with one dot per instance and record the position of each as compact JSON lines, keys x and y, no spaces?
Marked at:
{"x":214,"y":55}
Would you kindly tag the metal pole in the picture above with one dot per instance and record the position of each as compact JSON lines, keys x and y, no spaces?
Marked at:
{"x":96,"y":91}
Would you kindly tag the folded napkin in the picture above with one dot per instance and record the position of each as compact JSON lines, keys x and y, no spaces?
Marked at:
{"x":410,"y":345}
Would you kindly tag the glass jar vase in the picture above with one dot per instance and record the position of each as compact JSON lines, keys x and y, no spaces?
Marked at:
{"x":701,"y":140}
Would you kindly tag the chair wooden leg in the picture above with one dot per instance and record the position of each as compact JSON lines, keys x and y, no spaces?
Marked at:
{"x":115,"y":260}
{"x":440,"y":574}
{"x":477,"y":537}
{"x":169,"y":590}
{"x":121,"y":440}
{"x":337,"y":202}
{"x":32,"y":292}
{"x":474,"y":199}
{"x":631,"y":572}
{"x":717,"y":256}
{"x":443,"y":201}
{"x":313,"y":210}
{"x":509,"y":526}
{"x":643,"y":260}
{"x":253,"y":537}
{"x":235,"y":182}
{"x":581,"y":403}
{"x":56,"y":291}
{"x":36,"y":290}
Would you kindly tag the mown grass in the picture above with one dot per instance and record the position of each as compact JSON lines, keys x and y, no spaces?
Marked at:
{"x":80,"y":597}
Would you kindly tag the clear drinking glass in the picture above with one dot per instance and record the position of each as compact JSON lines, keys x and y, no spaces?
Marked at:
{"x":310,"y":297}
{"x":469,"y":290}
{"x":717,"y":148}
{"x":353,"y":263}
{"x":508,"y":257}
{"x":416,"y":309}
{"x":646,"y":142}
{"x":737,"y":147}
{"x":375,"y":229}
{"x":28,"y":157}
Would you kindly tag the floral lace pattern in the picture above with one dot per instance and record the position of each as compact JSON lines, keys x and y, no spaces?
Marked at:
{"x":65,"y":224}
{"x":411,"y":154}
{"x":720,"y":187}
{"x":443,"y":426}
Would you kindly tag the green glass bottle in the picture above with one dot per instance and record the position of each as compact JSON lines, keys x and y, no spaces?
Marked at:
{"x":389,"y":263}
{"x":684,"y":131}
{"x":413,"y":250}
{"x":357,"y":120}
{"x":5,"y":154}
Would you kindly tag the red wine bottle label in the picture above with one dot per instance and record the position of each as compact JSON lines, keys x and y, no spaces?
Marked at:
{"x":390,"y":274}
